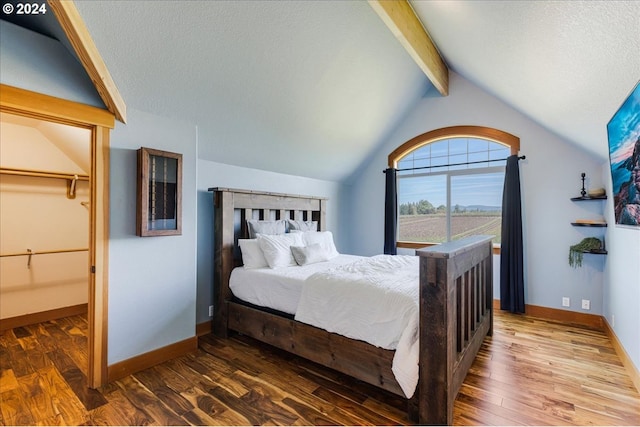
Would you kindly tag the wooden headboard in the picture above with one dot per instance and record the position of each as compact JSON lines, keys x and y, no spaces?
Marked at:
{"x":232,"y":207}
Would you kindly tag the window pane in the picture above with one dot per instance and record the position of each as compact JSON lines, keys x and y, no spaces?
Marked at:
{"x":458,"y":158}
{"x":476,"y":145}
{"x":476,"y":202}
{"x":457,"y":146}
{"x":477,"y":157}
{"x":498,"y":151}
{"x":439,"y":149}
{"x":422,"y":209}
{"x":476,"y":198}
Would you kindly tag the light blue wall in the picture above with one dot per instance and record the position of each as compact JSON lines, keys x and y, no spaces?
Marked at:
{"x":41,"y":64}
{"x":622,"y":279}
{"x":152,"y":280}
{"x":550,"y":176}
{"x":212,"y":174}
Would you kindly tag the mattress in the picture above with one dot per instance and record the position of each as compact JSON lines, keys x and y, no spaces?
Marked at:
{"x":278,"y":288}
{"x":374,"y":300}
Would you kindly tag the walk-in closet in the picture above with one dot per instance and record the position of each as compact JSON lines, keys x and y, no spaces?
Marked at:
{"x":44,"y":227}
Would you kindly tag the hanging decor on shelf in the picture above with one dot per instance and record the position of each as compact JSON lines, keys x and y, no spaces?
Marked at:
{"x":587,"y":245}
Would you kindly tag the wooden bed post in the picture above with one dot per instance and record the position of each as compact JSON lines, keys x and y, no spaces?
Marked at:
{"x":322,"y":224}
{"x":455,"y":315}
{"x":224,"y":241}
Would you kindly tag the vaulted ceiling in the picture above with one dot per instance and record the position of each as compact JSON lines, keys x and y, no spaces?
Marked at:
{"x":566,"y":64}
{"x":312,"y":88}
{"x":304,"y":87}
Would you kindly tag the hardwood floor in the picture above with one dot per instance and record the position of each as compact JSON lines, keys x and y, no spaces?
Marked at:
{"x":531,"y":372}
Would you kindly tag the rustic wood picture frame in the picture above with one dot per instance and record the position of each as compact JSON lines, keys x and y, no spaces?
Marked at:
{"x":159,"y":198}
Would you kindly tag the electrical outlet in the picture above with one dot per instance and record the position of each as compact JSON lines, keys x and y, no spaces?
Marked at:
{"x":210,"y":311}
{"x":586,"y":304}
{"x":566,"y":302}
{"x":613,"y":320}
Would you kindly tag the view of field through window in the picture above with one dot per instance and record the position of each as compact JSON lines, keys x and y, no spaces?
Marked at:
{"x":474,"y":191}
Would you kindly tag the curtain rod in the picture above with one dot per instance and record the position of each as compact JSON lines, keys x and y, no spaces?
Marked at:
{"x":453,"y":164}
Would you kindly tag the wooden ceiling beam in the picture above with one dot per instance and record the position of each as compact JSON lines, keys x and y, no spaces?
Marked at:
{"x":76,"y":31}
{"x":399,"y":17}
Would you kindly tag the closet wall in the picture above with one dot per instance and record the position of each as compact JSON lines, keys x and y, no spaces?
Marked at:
{"x":36,"y":214}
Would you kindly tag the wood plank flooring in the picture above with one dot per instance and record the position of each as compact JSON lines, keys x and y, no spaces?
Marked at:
{"x":531,"y":372}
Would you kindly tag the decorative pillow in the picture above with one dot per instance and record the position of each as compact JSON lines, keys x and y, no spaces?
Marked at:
{"x":324,"y":239}
{"x":309,"y":254}
{"x":277,"y":248}
{"x":252,"y":256}
{"x":302,"y":225}
{"x":265,"y":227}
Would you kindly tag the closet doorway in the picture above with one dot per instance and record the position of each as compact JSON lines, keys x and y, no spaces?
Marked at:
{"x":69,"y":171}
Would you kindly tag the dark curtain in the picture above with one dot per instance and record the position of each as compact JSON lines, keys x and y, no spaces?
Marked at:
{"x":511,"y":266}
{"x":390,"y":212}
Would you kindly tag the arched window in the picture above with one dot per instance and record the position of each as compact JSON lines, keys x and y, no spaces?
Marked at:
{"x":450,"y":184}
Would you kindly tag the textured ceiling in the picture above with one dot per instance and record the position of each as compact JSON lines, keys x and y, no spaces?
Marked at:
{"x":300,"y":87}
{"x":568,"y":65}
{"x":313,"y":87}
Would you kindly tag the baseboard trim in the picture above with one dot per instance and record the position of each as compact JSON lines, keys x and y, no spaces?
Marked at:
{"x":624,"y":356}
{"x":152,"y":358}
{"x":42,"y":316}
{"x":565,"y":316}
{"x":203,"y":328}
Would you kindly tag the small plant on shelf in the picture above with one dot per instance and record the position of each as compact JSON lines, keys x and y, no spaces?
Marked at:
{"x":587,"y":245}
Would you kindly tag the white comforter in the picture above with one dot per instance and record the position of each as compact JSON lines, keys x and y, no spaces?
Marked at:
{"x":374,"y":300}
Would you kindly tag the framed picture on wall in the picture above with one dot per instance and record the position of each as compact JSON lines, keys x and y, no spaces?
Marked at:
{"x":159,"y":204}
{"x":623,"y":131}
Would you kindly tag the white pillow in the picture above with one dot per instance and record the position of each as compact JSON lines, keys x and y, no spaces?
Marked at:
{"x":324,"y":239}
{"x":252,"y":256}
{"x":256,"y":227}
{"x":309,"y":254}
{"x":295,"y":225}
{"x":277,"y":248}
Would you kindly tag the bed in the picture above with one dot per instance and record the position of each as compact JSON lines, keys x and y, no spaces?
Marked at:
{"x":454,"y":305}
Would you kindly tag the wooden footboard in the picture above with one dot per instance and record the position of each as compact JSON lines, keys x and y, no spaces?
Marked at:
{"x":456,"y":313}
{"x":456,"y":302}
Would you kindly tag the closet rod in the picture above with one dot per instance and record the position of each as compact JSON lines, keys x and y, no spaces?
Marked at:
{"x":57,"y":251}
{"x":43,"y":174}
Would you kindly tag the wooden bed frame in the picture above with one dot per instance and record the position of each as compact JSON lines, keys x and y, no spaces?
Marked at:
{"x":456,"y":303}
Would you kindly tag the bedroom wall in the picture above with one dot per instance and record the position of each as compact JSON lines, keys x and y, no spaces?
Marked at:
{"x":622,"y":278}
{"x":550,"y":176}
{"x":152,"y":280}
{"x":212,"y":174}
{"x":41,"y":64}
{"x":36,"y":214}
